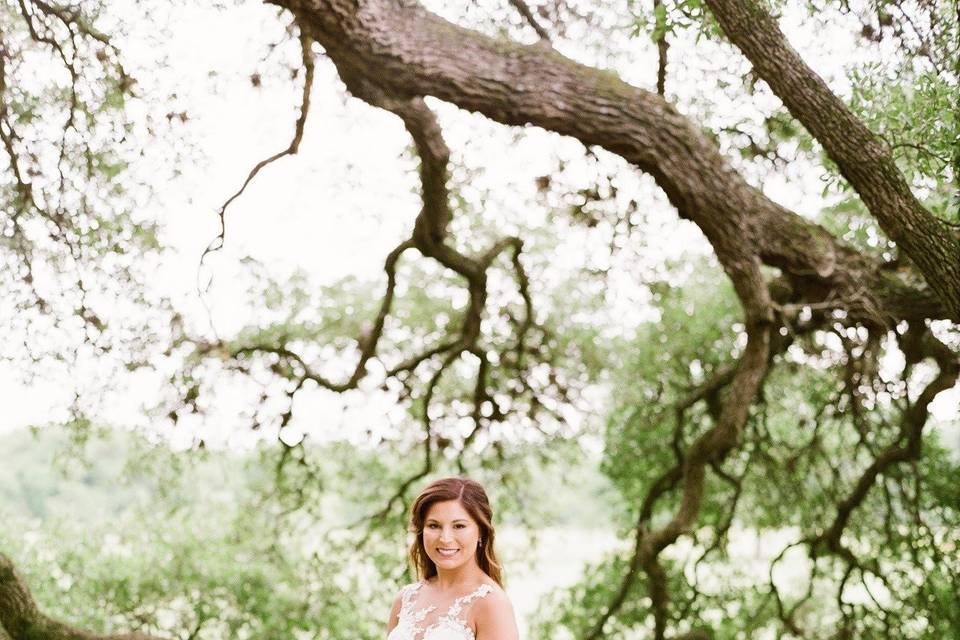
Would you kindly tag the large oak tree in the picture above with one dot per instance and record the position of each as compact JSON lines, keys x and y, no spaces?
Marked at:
{"x":793,"y":280}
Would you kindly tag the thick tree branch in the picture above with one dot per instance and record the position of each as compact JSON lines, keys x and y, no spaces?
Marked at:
{"x":862,"y":157}
{"x":409,"y":51}
{"x":22,"y":620}
{"x":711,"y":447}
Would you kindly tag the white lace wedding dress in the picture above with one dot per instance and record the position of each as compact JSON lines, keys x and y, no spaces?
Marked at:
{"x":448,"y":626}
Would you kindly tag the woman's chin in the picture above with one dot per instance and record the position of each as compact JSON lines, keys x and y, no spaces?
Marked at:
{"x":450,"y":562}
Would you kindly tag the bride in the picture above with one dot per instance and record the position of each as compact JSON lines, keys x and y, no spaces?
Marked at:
{"x":459,"y":595}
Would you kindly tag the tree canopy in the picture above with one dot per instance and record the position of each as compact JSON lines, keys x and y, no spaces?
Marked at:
{"x":777,"y":386}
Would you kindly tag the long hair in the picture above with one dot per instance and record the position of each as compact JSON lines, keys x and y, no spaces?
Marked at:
{"x":471,"y":495}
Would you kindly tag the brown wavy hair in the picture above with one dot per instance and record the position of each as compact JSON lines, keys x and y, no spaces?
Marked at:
{"x":474,"y":499}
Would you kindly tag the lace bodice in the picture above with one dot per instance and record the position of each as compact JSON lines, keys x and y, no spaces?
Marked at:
{"x":449,"y":626}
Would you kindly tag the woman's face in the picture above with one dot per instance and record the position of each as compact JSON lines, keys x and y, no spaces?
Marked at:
{"x":450,"y":535}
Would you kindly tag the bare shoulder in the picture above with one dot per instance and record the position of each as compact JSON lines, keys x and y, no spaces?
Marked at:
{"x":394,"y":618}
{"x":408,"y":589}
{"x":494,"y":600}
{"x":493,"y":616}
{"x":398,"y":601}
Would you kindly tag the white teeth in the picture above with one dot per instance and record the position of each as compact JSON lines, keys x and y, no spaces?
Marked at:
{"x":447,"y":552}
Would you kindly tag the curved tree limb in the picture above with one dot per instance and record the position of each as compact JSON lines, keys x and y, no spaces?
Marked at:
{"x":366,"y":342}
{"x":864,"y":160}
{"x":711,"y":447}
{"x":430,"y":238}
{"x":22,"y":620}
{"x":413,"y":52}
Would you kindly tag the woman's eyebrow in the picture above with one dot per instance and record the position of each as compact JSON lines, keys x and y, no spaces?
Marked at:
{"x":429,"y":520}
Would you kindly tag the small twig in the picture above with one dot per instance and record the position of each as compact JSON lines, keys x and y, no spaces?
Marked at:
{"x":218,"y":242}
{"x":524,"y":10}
{"x":662,"y":47}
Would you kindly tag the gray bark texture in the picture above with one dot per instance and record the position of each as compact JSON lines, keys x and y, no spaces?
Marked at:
{"x":20,"y":619}
{"x":864,"y":160}
{"x":405,"y":50}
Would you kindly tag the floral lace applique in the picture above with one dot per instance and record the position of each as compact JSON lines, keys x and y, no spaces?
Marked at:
{"x":449,"y":626}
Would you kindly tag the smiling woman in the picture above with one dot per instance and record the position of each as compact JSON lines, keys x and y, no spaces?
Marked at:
{"x":459,"y":595}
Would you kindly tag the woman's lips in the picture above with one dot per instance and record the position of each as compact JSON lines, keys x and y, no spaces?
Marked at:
{"x":446,"y":553}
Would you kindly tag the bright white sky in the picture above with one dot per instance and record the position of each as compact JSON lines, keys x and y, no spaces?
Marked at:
{"x":341,"y":204}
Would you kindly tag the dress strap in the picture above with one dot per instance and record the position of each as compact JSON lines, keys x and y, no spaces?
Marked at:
{"x":408,"y":592}
{"x":462,"y":601}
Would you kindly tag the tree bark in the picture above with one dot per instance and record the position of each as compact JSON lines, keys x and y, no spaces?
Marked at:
{"x":864,"y":160}
{"x":20,"y":619}
{"x":410,"y":51}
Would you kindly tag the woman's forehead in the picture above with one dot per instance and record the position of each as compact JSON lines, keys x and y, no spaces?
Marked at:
{"x":448,"y":510}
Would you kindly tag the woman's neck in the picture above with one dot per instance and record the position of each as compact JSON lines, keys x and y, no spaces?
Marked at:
{"x":466,"y":575}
